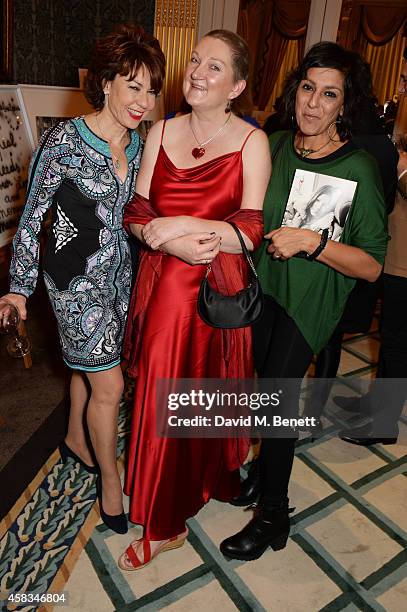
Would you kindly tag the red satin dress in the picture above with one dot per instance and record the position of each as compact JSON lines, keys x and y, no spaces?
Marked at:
{"x":169,"y":480}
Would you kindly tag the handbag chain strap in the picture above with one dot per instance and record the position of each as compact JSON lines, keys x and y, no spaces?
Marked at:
{"x":244,"y":248}
{"x":244,"y":251}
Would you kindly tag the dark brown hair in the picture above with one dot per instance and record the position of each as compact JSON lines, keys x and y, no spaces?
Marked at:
{"x":123,"y":52}
{"x":358,"y":95}
{"x":243,"y":104}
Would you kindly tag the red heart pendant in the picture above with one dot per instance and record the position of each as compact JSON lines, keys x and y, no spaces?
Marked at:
{"x":198,"y":152}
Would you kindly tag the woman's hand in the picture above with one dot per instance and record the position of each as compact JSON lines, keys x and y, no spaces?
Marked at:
{"x":349,"y":260}
{"x":288,"y":241}
{"x":194,"y":249}
{"x":161,"y":230}
{"x":13,"y":299}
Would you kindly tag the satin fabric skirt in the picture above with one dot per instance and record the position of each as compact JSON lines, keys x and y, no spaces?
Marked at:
{"x":169,"y":480}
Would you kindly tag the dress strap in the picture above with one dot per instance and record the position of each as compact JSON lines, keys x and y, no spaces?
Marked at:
{"x":247,"y":138}
{"x":162,"y":131}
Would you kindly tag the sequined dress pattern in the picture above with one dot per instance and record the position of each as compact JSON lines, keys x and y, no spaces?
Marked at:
{"x":86,"y":264}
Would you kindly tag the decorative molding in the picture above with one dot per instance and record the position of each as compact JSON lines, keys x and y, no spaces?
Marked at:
{"x":323,"y":21}
{"x":214,"y":14}
{"x":175,"y":27}
{"x":176,"y":13}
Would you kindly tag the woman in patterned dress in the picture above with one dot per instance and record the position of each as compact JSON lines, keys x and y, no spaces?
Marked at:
{"x":84,"y":170}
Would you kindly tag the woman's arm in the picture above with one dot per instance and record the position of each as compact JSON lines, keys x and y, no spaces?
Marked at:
{"x":146,"y":170}
{"x":48,"y":168}
{"x":194,"y":249}
{"x":256,"y":174}
{"x":349,"y":260}
{"x":365,"y":230}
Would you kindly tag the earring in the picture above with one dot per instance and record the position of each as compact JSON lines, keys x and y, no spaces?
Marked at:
{"x":338,"y":121}
{"x":228,"y":106}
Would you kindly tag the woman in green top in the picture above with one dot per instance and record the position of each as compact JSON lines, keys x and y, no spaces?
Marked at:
{"x":307,"y":277}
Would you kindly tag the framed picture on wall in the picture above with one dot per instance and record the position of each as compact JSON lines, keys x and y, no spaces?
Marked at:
{"x":6,"y":31}
{"x":45,"y":106}
{"x":44,"y":123}
{"x":15,"y":154}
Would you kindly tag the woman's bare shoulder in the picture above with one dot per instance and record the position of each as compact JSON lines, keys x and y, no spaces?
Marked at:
{"x":175,"y":124}
{"x":243,"y":129}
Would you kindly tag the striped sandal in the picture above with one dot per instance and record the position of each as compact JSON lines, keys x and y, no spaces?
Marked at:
{"x":131,"y":561}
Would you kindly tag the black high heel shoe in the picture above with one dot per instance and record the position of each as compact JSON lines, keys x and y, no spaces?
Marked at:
{"x":66,"y":452}
{"x":270,"y":526}
{"x":115,"y":522}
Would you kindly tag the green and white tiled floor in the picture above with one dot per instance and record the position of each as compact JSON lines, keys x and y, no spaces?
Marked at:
{"x":347,"y":549}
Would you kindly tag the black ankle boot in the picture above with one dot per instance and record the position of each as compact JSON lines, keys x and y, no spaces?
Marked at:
{"x":250,"y":487}
{"x":270,"y":526}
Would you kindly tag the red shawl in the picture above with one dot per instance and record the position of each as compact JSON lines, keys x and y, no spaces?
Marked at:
{"x":229,"y":273}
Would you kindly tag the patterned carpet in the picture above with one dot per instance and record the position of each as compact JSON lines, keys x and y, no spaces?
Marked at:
{"x":347,"y":549}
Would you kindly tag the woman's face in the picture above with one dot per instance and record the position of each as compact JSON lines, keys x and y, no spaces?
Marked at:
{"x":319,"y":100}
{"x":322,"y":205}
{"x":128,"y":101}
{"x":208,"y":79}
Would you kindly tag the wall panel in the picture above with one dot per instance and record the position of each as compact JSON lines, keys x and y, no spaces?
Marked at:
{"x":53,"y":38}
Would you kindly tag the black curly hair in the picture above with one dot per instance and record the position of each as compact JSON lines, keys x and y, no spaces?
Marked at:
{"x":358,"y":93}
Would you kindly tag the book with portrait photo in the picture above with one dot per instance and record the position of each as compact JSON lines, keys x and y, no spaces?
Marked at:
{"x":318,"y":202}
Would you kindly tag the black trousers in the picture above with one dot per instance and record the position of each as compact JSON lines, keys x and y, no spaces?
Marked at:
{"x":326,"y":368}
{"x":387,"y":397}
{"x":393,"y":331}
{"x":385,"y":400}
{"x":280,"y":351}
{"x":356,"y":318}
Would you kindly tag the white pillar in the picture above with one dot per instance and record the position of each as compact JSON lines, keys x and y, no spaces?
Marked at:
{"x":323,"y":21}
{"x":217,"y":14}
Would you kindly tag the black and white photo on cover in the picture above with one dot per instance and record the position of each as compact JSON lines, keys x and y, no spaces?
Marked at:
{"x":318,"y":202}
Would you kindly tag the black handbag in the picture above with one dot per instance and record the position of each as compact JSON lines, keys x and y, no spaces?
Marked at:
{"x":231,"y":311}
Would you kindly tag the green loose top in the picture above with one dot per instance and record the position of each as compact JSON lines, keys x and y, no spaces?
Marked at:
{"x":313,"y":294}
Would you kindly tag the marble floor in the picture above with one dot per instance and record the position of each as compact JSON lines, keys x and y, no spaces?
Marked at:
{"x":347,"y":548}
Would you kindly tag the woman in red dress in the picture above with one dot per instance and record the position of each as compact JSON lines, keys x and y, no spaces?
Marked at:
{"x":198,"y":170}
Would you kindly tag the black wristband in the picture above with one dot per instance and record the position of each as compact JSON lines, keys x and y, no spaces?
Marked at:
{"x":321,"y":246}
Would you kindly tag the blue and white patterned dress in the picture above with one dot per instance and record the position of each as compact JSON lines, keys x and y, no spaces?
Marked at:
{"x":87,"y":266}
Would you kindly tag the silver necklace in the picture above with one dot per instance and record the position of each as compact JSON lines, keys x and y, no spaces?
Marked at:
{"x":200,"y":150}
{"x":115,"y":158}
